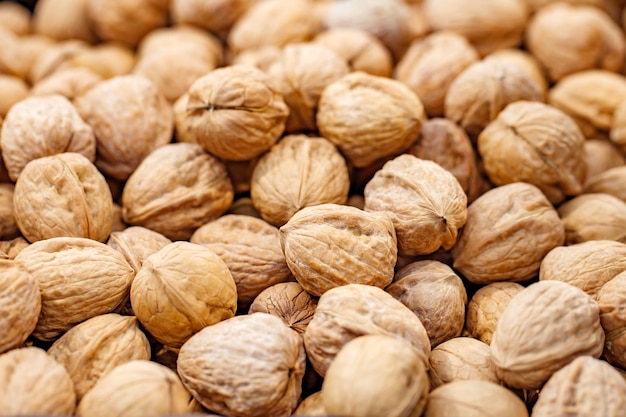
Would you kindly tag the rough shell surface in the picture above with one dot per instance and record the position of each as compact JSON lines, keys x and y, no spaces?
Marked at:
{"x":8,"y":227}
{"x":612,"y":301}
{"x":136,"y":243}
{"x":583,"y":223}
{"x":461,"y":359}
{"x":287,"y":301}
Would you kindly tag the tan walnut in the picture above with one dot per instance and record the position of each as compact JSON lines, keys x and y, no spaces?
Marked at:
{"x":610,"y":182}
{"x":71,"y":83}
{"x":582,"y":222}
{"x":611,"y":299}
{"x":136,"y":243}
{"x":217,"y":16}
{"x":287,"y":301}
{"x":14,"y":90}
{"x":601,"y":155}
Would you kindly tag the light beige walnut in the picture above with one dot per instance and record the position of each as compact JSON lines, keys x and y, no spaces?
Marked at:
{"x":431,"y":64}
{"x":526,"y":62}
{"x":53,"y":57}
{"x":425,"y":202}
{"x":361,"y":50}
{"x":584,"y":387}
{"x":311,"y":406}
{"x":376,"y":375}
{"x":474,"y":399}
{"x":15,"y":17}
{"x":20,"y":304}
{"x":217,"y":16}
{"x":331,"y":245}
{"x":43,"y":126}
{"x":13,"y":89}
{"x":251,"y":249}
{"x":601,"y":155}
{"x":298,"y":172}
{"x":12,"y":247}
{"x":610,"y":182}
{"x":248,"y":366}
{"x":70,"y":83}
{"x":612,"y":301}
{"x":27,"y":51}
{"x":175,"y":190}
{"x":125,"y":138}
{"x":79,"y":278}
{"x":172,"y":36}
{"x":107,"y":59}
{"x":582,"y":223}
{"x":509,"y":230}
{"x":138,"y":388}
{"x":354,"y":310}
{"x":287,"y":301}
{"x":96,"y":346}
{"x":181,"y":289}
{"x":524,"y":354}
{"x":33,"y":383}
{"x":262,"y":57}
{"x":8,"y":227}
{"x":486,"y":307}
{"x":461,"y":359}
{"x":436,"y":294}
{"x":136,"y":243}
{"x":235,"y":112}
{"x":369,"y":117}
{"x":568,"y":38}
{"x":63,"y":20}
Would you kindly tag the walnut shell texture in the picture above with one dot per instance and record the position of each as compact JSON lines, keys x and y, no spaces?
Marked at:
{"x":287,"y":301}
{"x":612,"y":301}
{"x":610,"y":182}
{"x":582,"y":222}
{"x":71,"y":83}
{"x":136,"y":243}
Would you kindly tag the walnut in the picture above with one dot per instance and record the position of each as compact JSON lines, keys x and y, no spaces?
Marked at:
{"x":70,"y":83}
{"x":244,"y":206}
{"x":536,"y":5}
{"x":79,"y":278}
{"x":495,"y":243}
{"x":173,"y":36}
{"x":330,"y":245}
{"x":8,"y":228}
{"x":117,"y":221}
{"x":96,"y":346}
{"x":354,"y":310}
{"x":262,"y":57}
{"x":461,"y":359}
{"x":43,"y":126}
{"x":435,"y":294}
{"x":610,"y":182}
{"x":54,"y":57}
{"x":147,"y":120}
{"x":582,"y":223}
{"x":136,"y":243}
{"x":311,"y":406}
{"x":248,"y":366}
{"x":486,"y":307}
{"x":369,"y":117}
{"x":217,"y":16}
{"x":568,"y":38}
{"x":12,"y":247}
{"x":618,"y":127}
{"x":612,"y":301}
{"x":235,"y":112}
{"x":425,"y":202}
{"x":26,"y":52}
{"x":287,"y":301}
{"x":524,"y":354}
{"x":15,"y":17}
{"x":63,"y":20}
{"x":431,"y":65}
{"x":106,"y":59}
{"x":376,"y":375}
{"x":240,"y":174}
{"x":181,"y":289}
{"x":298,"y":172}
{"x":13,"y":89}
{"x":33,"y":383}
{"x":526,"y":62}
{"x":601,"y":155}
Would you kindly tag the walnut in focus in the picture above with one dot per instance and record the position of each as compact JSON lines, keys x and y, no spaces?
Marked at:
{"x":287,"y":301}
{"x":601,"y":155}
{"x":63,"y":20}
{"x":13,"y":89}
{"x":15,"y":17}
{"x":8,"y":227}
{"x":217,"y":16}
{"x":610,"y":182}
{"x":70,"y":83}
{"x":136,"y":243}
{"x":583,"y":222}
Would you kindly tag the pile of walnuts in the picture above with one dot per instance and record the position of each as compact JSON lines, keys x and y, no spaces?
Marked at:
{"x":354,"y":208}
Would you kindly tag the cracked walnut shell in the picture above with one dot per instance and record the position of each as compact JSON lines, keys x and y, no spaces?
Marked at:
{"x":287,"y":301}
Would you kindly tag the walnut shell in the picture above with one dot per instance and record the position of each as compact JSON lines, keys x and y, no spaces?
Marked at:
{"x":461,"y":359}
{"x":354,"y":310}
{"x":63,"y":20}
{"x":62,"y":195}
{"x":8,"y":227}
{"x":298,"y":172}
{"x":243,"y":205}
{"x":248,"y":366}
{"x":526,"y":62}
{"x":13,"y":89}
{"x":15,"y":17}
{"x":311,"y":406}
{"x":26,"y":52}
{"x":12,"y":247}
{"x":330,"y":245}
{"x":618,"y":127}
{"x":137,"y":243}
{"x":612,"y":301}
{"x":425,"y":202}
{"x":53,"y":57}
{"x":601,"y":155}
{"x":107,"y":59}
{"x":79,"y":278}
{"x":369,"y":117}
{"x":262,"y":57}
{"x":287,"y":301}
{"x":181,"y":35}
{"x":217,"y":16}
{"x":495,"y":245}
{"x":524,"y":354}
{"x":43,"y":126}
{"x":33,"y":383}
{"x":582,"y":223}
{"x":610,"y":182}
{"x":181,"y":289}
{"x":96,"y":346}
{"x":175,"y":190}
{"x":70,"y":83}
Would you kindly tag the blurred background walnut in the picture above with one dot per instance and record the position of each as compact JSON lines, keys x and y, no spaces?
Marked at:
{"x":583,"y":223}
{"x":612,"y":301}
{"x":63,"y":20}
{"x":217,"y":16}
{"x":70,"y":83}
{"x":8,"y":227}
{"x":14,"y":89}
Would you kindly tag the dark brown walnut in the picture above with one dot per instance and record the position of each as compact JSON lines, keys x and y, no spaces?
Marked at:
{"x":496,"y":243}
{"x":43,"y":126}
{"x":586,"y":387}
{"x":361,"y":50}
{"x":461,"y":359}
{"x":15,"y":17}
{"x":12,"y":247}
{"x":287,"y":301}
{"x":52,"y":57}
{"x":248,"y":366}
{"x":262,"y":57}
{"x":534,"y":143}
{"x":526,"y":62}
{"x":524,"y":354}
{"x":20,"y":304}
{"x":136,"y":243}
{"x":125,"y":138}
{"x":62,"y":195}
{"x":425,"y":202}
{"x":478,"y":94}
{"x":235,"y":112}
{"x":568,"y":38}
{"x":298,"y":172}
{"x":13,"y":89}
{"x":33,"y":383}
{"x":251,"y":249}
{"x":612,"y":181}
{"x":63,"y":20}
{"x":486,"y":307}
{"x":612,"y":301}
{"x":431,"y":64}
{"x":436,"y":294}
{"x":70,"y":83}
{"x":8,"y":227}
{"x":582,"y":223}
{"x":175,"y":190}
{"x":601,"y":155}
{"x":369,"y":117}
{"x":354,"y":310}
{"x":217,"y":16}
{"x":78,"y":278}
{"x":96,"y":346}
{"x":331,"y":245}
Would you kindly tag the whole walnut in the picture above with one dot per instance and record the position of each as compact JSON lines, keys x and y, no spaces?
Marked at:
{"x":175,"y":190}
{"x":8,"y":227}
{"x":136,"y":243}
{"x":247,"y":366}
{"x":369,"y":117}
{"x":107,"y":59}
{"x":526,"y":62}
{"x":15,"y":17}
{"x":495,"y":243}
{"x":184,"y":36}
{"x":62,"y":195}
{"x":601,"y":155}
{"x":298,"y":172}
{"x":217,"y":16}
{"x":610,"y":182}
{"x":425,"y":202}
{"x":24,"y":53}
{"x":54,"y":57}
{"x":43,"y":126}
{"x":582,"y":223}
{"x":287,"y":301}
{"x":262,"y":57}
{"x":461,"y":359}
{"x":13,"y":89}
{"x":311,"y":406}
{"x":612,"y":301}
{"x":568,"y":38}
{"x":63,"y":20}
{"x":70,"y":83}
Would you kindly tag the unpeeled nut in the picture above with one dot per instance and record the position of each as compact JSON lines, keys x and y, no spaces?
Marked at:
{"x":611,"y":299}
{"x":217,"y":16}
{"x":136,"y":243}
{"x":287,"y":301}
{"x":582,"y":223}
{"x":610,"y":182}
{"x":71,"y":83}
{"x":63,"y":20}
